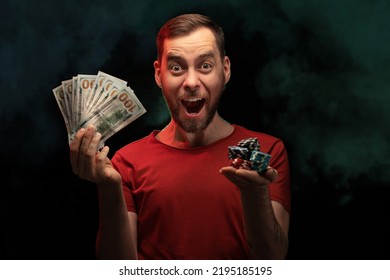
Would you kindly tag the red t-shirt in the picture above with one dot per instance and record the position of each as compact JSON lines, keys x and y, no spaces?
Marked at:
{"x":186,"y":209}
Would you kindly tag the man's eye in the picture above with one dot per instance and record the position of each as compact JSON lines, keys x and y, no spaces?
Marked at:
{"x":175,"y":68}
{"x":206,"y":66}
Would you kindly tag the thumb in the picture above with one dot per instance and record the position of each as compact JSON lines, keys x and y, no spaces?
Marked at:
{"x":271,"y":174}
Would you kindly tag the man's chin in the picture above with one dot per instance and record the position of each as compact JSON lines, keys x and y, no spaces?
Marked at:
{"x":193,"y":125}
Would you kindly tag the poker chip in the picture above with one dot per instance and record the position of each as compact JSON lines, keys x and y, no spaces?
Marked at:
{"x":247,"y":155}
{"x":241,"y":163}
{"x":238,"y":152}
{"x":259,"y":161}
{"x":252,"y":144}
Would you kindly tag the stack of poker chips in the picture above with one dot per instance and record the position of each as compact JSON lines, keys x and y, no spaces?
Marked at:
{"x":247,"y":155}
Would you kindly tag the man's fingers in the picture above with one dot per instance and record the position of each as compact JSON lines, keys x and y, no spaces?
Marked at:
{"x":103,"y":154}
{"x":271,"y":174}
{"x":88,"y":135}
{"x":101,"y":159}
{"x":74,"y":148}
{"x":243,"y":177}
{"x":85,"y":152}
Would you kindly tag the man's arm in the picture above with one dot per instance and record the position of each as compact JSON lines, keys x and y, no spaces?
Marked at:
{"x":117,"y":236}
{"x":266,"y":221}
{"x":117,"y":229}
{"x":266,"y":224}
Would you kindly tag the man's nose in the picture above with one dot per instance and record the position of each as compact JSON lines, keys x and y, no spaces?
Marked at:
{"x":191,"y":81}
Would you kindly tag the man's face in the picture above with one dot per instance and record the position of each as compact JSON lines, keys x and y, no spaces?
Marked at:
{"x":192,"y":77}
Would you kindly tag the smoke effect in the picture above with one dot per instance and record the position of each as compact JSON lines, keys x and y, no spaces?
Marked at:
{"x":318,"y":69}
{"x":323,"y":84}
{"x":335,"y":87}
{"x":314,"y":73}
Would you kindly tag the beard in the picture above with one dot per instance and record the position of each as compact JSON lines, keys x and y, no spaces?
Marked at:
{"x":194,"y":125}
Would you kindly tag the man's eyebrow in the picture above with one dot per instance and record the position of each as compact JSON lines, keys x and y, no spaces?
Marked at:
{"x":206,"y":55}
{"x":173,"y":56}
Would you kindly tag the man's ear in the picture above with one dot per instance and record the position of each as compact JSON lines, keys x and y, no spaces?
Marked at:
{"x":157,"y":73}
{"x":226,"y":69}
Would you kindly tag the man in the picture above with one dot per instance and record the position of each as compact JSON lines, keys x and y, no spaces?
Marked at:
{"x":173,"y":194}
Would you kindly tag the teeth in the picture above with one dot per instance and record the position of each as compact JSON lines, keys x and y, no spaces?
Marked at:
{"x":192,"y":99}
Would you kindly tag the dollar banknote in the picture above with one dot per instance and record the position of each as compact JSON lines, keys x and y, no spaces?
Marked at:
{"x":102,"y":100}
{"x":101,"y":89}
{"x":59,"y":94}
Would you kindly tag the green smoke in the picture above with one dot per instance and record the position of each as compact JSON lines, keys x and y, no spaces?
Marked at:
{"x":327,"y":67}
{"x":319,"y":69}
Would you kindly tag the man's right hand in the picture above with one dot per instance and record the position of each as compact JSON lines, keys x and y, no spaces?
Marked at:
{"x":88,"y":162}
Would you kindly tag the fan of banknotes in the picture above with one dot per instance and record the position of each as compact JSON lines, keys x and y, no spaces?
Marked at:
{"x":102,"y":100}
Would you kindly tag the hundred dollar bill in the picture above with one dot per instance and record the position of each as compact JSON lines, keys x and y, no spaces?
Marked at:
{"x":98,"y":83}
{"x":130,"y":101}
{"x":67,"y":88}
{"x":122,"y":109}
{"x":103,"y":84}
{"x":60,"y":98}
{"x":85,"y":84}
{"x":102,"y":100}
{"x":111,"y":91}
{"x":74,"y":101}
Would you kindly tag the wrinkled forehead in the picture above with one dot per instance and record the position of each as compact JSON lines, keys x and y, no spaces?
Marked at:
{"x":201,"y":40}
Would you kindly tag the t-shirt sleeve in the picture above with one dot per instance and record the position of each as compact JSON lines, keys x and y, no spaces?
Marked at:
{"x":280,"y":189}
{"x":124,"y":169}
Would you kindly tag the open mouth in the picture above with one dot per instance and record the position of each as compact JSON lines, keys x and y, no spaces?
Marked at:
{"x":193,"y":105}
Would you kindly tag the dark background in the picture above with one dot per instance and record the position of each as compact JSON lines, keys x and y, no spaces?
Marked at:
{"x":314,"y":73}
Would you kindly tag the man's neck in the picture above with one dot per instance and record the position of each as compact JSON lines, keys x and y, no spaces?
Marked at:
{"x":174,"y":136}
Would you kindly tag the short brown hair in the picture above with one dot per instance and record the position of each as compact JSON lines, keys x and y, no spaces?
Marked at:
{"x":185,"y":24}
